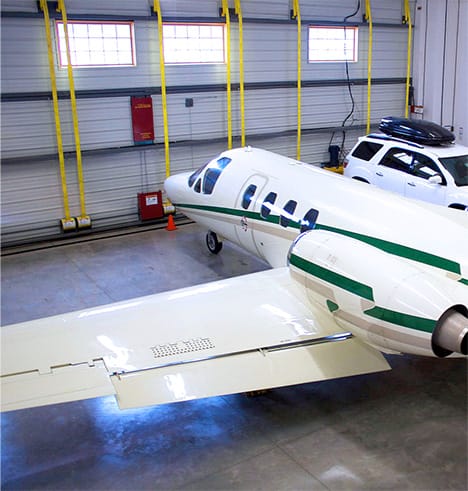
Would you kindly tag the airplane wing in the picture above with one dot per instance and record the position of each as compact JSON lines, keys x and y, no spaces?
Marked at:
{"x":242,"y":334}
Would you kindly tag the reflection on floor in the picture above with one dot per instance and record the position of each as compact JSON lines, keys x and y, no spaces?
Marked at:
{"x":403,"y":429}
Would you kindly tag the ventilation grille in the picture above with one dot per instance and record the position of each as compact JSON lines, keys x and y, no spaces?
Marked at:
{"x":181,"y":347}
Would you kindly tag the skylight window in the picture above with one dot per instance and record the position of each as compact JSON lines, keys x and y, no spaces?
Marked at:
{"x":193,"y":43}
{"x":96,"y":44}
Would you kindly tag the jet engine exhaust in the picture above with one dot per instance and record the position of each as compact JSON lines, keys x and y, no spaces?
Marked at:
{"x":451,"y":333}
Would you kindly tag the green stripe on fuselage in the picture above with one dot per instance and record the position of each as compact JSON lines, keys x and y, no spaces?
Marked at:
{"x":400,"y":250}
{"x":401,"y":319}
{"x":384,"y":245}
{"x":336,"y":279}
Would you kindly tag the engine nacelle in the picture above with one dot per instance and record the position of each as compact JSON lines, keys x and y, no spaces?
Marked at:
{"x":393,"y":303}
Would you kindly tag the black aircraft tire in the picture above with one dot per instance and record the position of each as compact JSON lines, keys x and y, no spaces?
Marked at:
{"x":213,"y":243}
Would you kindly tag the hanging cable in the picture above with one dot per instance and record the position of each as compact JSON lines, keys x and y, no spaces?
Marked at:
{"x":238,"y":11}
{"x":162,"y":72}
{"x":83,"y":221}
{"x":225,"y":13}
{"x":350,"y":92}
{"x":368,"y":18}
{"x":68,"y":223}
{"x":296,"y":14}
{"x":407,"y":21}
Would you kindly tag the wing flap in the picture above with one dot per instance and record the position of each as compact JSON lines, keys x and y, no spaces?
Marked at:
{"x":64,"y":384}
{"x":254,"y":370}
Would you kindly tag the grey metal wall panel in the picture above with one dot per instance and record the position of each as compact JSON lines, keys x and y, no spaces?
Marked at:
{"x":31,"y":195}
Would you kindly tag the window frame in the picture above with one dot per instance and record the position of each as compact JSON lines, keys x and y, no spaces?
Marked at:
{"x":63,"y":63}
{"x":270,"y":199}
{"x":289,"y":208}
{"x":249,"y":193}
{"x":366,"y":150}
{"x":355,"y":43}
{"x":198,"y":24}
{"x":213,"y":172}
{"x":310,"y":220}
{"x":391,"y":160}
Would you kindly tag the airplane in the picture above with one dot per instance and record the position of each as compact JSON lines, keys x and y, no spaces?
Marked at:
{"x":357,"y":272}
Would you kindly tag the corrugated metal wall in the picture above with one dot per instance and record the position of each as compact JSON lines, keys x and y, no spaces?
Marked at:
{"x":114,"y":169}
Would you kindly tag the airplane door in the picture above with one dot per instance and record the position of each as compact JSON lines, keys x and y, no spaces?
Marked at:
{"x":248,"y":203}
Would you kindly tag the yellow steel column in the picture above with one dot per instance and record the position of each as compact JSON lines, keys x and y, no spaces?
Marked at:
{"x":297,"y":16}
{"x":368,"y":17}
{"x":407,"y":20}
{"x":225,"y":13}
{"x":83,"y":221}
{"x":68,"y":223}
{"x":238,"y":11}
{"x":162,"y":71}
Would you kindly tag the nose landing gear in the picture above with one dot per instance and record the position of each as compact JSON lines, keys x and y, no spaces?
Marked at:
{"x":213,"y":243}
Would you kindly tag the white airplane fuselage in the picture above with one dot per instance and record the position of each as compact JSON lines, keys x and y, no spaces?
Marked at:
{"x":393,"y":272}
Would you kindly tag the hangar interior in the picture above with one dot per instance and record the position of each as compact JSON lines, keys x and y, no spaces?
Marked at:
{"x":334,"y":96}
{"x":403,"y":429}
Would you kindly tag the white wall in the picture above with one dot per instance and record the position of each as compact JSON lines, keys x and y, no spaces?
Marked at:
{"x":441,"y":63}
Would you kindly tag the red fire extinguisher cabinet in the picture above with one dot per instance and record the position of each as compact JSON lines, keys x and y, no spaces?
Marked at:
{"x":150,"y":205}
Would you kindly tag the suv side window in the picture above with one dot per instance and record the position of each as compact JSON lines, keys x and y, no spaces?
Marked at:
{"x":366,"y":150}
{"x":425,"y":167}
{"x":398,"y":159}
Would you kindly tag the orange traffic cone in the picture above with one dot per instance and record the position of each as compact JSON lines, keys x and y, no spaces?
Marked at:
{"x":170,"y":223}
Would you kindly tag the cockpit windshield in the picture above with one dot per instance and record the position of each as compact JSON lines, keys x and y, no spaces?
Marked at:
{"x":214,"y":168}
{"x":458,"y":168}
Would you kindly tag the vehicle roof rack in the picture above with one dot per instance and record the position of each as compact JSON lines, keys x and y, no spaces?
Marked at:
{"x":416,"y":130}
{"x":380,"y":136}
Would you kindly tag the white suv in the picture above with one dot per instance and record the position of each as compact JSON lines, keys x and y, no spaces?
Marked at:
{"x":434,"y":173}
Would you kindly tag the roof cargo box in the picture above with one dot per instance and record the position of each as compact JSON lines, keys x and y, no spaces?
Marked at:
{"x":419,"y":131}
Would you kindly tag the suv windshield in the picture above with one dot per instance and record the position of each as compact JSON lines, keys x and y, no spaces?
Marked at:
{"x":458,"y":167}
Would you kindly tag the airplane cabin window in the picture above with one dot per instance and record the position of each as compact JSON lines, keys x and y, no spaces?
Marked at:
{"x":268,"y":202}
{"x":193,"y":177}
{"x":287,"y":212}
{"x":197,"y":187}
{"x":248,"y":195}
{"x":212,"y":174}
{"x":309,"y":220}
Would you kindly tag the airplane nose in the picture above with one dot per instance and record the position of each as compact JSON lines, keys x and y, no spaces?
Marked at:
{"x":174,"y":187}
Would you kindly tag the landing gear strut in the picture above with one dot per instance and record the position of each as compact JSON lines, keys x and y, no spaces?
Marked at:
{"x":213,"y":243}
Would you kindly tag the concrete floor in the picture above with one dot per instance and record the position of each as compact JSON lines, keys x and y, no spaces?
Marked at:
{"x":403,"y":429}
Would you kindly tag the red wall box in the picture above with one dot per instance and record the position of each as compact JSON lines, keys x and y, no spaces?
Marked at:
{"x":142,"y":119}
{"x":150,"y":205}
